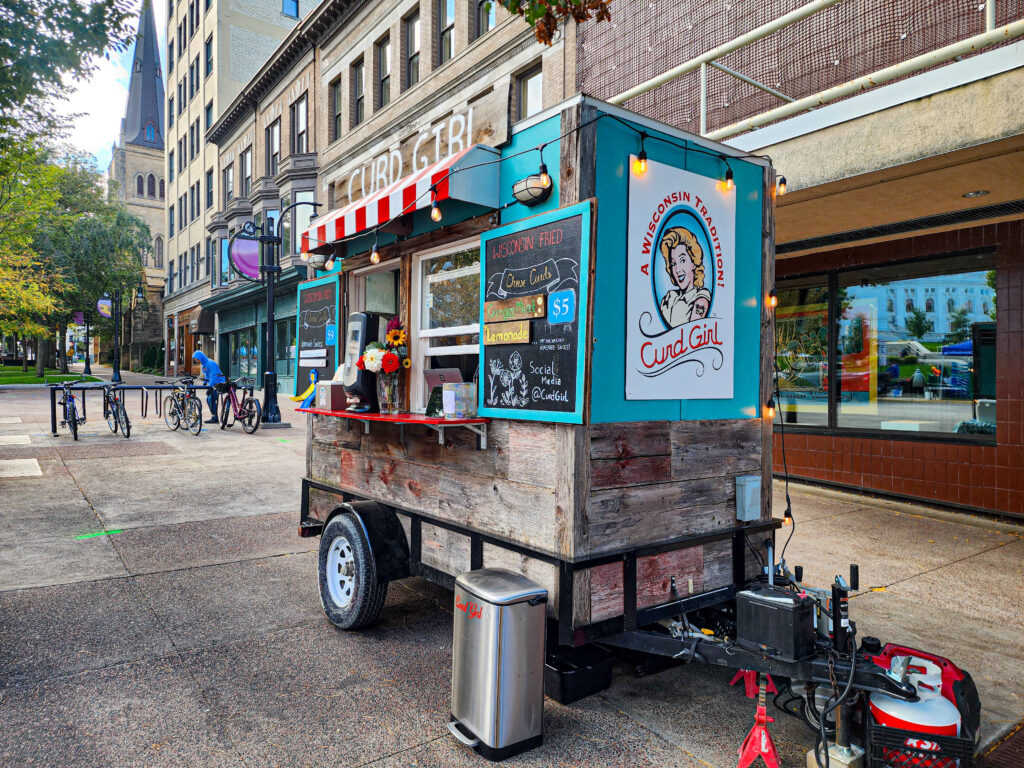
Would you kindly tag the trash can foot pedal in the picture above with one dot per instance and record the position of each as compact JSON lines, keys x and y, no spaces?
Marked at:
{"x":494,"y":754}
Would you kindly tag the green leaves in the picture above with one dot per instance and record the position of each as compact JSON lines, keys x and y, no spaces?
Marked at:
{"x":545,"y":16}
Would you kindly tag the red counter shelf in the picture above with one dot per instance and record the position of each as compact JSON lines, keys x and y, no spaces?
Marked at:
{"x":476,"y":425}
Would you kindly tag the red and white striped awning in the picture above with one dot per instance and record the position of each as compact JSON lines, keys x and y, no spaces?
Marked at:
{"x":470,"y":175}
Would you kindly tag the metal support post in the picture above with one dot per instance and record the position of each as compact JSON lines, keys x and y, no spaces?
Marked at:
{"x":53,"y":411}
{"x":703,"y":99}
{"x":116,"y":376}
{"x":87,"y":371}
{"x":990,"y":15}
{"x":269,"y":269}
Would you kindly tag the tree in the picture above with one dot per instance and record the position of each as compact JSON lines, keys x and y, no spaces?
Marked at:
{"x":46,"y":43}
{"x":990,"y":281}
{"x":959,"y":326}
{"x":545,"y":15}
{"x":918,"y":324}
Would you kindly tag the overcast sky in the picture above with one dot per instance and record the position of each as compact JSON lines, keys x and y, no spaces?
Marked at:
{"x":100,"y":100}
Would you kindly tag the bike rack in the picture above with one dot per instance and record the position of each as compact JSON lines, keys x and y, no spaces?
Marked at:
{"x":98,"y":386}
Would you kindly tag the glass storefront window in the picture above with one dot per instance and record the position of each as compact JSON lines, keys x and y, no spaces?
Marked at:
{"x":913,"y":345}
{"x":801,"y":350}
{"x":243,"y":353}
{"x":284,"y":347}
{"x":302,"y":215}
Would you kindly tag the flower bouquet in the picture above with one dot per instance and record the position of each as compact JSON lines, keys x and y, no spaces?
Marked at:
{"x":387,"y":359}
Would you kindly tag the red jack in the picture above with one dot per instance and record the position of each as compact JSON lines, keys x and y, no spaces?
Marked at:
{"x":759,"y":741}
{"x":749,"y":678}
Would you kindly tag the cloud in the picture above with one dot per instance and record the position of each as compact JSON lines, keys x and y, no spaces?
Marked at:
{"x":99,"y":102}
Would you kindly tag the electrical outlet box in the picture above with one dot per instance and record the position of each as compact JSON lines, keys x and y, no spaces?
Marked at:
{"x":748,"y":498}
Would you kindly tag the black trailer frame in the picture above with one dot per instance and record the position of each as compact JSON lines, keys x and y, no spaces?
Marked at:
{"x":628,"y":630}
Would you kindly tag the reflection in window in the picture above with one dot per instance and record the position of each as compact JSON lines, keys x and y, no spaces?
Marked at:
{"x":801,"y":350}
{"x":284,"y":347}
{"x":917,"y":373}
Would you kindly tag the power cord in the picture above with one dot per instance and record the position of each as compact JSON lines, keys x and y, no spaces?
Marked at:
{"x":822,"y":737}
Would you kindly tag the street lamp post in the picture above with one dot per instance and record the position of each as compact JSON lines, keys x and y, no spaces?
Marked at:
{"x":88,"y":369}
{"x":270,"y":271}
{"x":116,"y":313}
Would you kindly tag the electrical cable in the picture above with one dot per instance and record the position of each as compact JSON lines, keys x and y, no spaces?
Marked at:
{"x":822,"y":737}
{"x":785,"y":464}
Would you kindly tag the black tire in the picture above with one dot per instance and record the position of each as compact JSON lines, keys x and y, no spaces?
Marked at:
{"x":194,"y":415}
{"x":225,"y":411}
{"x":361,"y":594}
{"x":122,"y":418}
{"x":251,"y":415}
{"x":110,"y":415}
{"x":72,"y":418}
{"x":171,"y":416}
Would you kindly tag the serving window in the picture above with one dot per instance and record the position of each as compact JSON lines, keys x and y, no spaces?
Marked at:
{"x":446,"y":315}
{"x":899,"y":348}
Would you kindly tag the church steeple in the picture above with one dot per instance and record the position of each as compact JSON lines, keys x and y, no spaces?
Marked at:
{"x":143,"y":122}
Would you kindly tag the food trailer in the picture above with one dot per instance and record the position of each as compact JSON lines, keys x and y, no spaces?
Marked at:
{"x":606,"y":280}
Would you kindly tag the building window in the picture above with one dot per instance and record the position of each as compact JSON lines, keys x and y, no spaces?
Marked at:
{"x":170,"y":221}
{"x":209,"y":116}
{"x":170,"y":56}
{"x":273,"y":143}
{"x":228,"y":184}
{"x":170,"y":112}
{"x":914,"y":373}
{"x":412,"y":49}
{"x":529,"y":96}
{"x":150,"y":132}
{"x":485,"y":16}
{"x":208,"y":48}
{"x":929,"y":305}
{"x":336,"y":111}
{"x":383,"y":72}
{"x":247,"y":172}
{"x":170,"y":165}
{"x":298,"y":126}
{"x":301,"y":216}
{"x":170,"y":278}
{"x":139,"y":183}
{"x":158,"y":252}
{"x":161,"y":189}
{"x":209,"y":188}
{"x":151,"y":185}
{"x":447,"y":315}
{"x":358,"y":96}
{"x":290,"y":8}
{"x":181,"y":38}
{"x":284,"y":348}
{"x":445,"y":30}
{"x":208,"y":257}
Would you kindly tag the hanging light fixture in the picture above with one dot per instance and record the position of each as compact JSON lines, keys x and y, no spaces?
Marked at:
{"x":769,"y":408}
{"x":329,"y":264}
{"x":729,"y":184}
{"x":773,"y":298}
{"x":375,"y":254}
{"x":640,"y":164}
{"x":435,"y":210}
{"x":780,"y":188}
{"x":542,"y":172}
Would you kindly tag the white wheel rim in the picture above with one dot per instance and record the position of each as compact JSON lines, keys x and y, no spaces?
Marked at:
{"x":341,"y":572}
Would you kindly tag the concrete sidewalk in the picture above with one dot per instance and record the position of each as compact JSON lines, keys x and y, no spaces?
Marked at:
{"x":189,"y":632}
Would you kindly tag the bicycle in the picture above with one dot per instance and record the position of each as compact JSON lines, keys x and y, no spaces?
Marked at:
{"x":70,"y":404}
{"x":114,"y":411}
{"x":248,"y":412}
{"x":183,"y":405}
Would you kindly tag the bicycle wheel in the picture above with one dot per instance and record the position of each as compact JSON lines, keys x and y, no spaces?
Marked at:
{"x":193,"y":415}
{"x":71,"y":416}
{"x":122,"y":418}
{"x":171,"y":416}
{"x":251,"y":413}
{"x":111,"y":413}
{"x":225,"y":409}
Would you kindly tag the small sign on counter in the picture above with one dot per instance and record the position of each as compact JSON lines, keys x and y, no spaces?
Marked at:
{"x":507,"y":333}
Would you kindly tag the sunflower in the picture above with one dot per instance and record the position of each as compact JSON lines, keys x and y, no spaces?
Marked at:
{"x":407,"y":363}
{"x":396,"y":337}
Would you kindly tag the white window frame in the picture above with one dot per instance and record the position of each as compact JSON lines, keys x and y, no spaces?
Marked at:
{"x":419,"y":347}
{"x":357,"y":288}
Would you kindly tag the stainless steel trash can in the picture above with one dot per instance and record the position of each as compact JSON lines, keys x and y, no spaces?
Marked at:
{"x":498,"y":662}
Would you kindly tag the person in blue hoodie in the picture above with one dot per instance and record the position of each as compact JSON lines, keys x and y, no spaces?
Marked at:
{"x":212,"y":376}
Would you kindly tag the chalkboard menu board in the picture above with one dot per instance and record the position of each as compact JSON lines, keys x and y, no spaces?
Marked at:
{"x":316,"y":326}
{"x":533,"y":310}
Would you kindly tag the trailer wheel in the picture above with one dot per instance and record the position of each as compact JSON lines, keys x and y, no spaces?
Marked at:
{"x":350,"y":592}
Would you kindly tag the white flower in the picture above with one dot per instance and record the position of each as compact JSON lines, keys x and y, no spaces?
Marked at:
{"x":372,"y":359}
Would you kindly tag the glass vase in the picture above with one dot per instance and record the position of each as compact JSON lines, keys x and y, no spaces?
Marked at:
{"x":389,"y":393}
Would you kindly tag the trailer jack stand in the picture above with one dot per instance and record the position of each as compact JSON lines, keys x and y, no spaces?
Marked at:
{"x":749,"y":678}
{"x":759,"y":741}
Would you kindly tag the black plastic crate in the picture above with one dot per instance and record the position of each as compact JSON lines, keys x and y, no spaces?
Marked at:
{"x":571,"y":675}
{"x":896,"y":748}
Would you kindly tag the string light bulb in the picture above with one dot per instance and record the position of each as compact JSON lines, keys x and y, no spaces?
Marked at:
{"x":729,"y":185}
{"x":375,"y":254}
{"x":435,"y":210}
{"x":640,"y":164}
{"x":329,"y":264}
{"x":769,"y":408}
{"x":542,"y":171}
{"x":787,"y":516}
{"x":781,"y":186}
{"x":304,"y":256}
{"x":773,"y":299}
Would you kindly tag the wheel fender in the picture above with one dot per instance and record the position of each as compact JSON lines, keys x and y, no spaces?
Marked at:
{"x":386,"y":536}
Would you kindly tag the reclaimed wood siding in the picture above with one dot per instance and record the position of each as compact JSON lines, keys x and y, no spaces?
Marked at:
{"x":505,"y":493}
